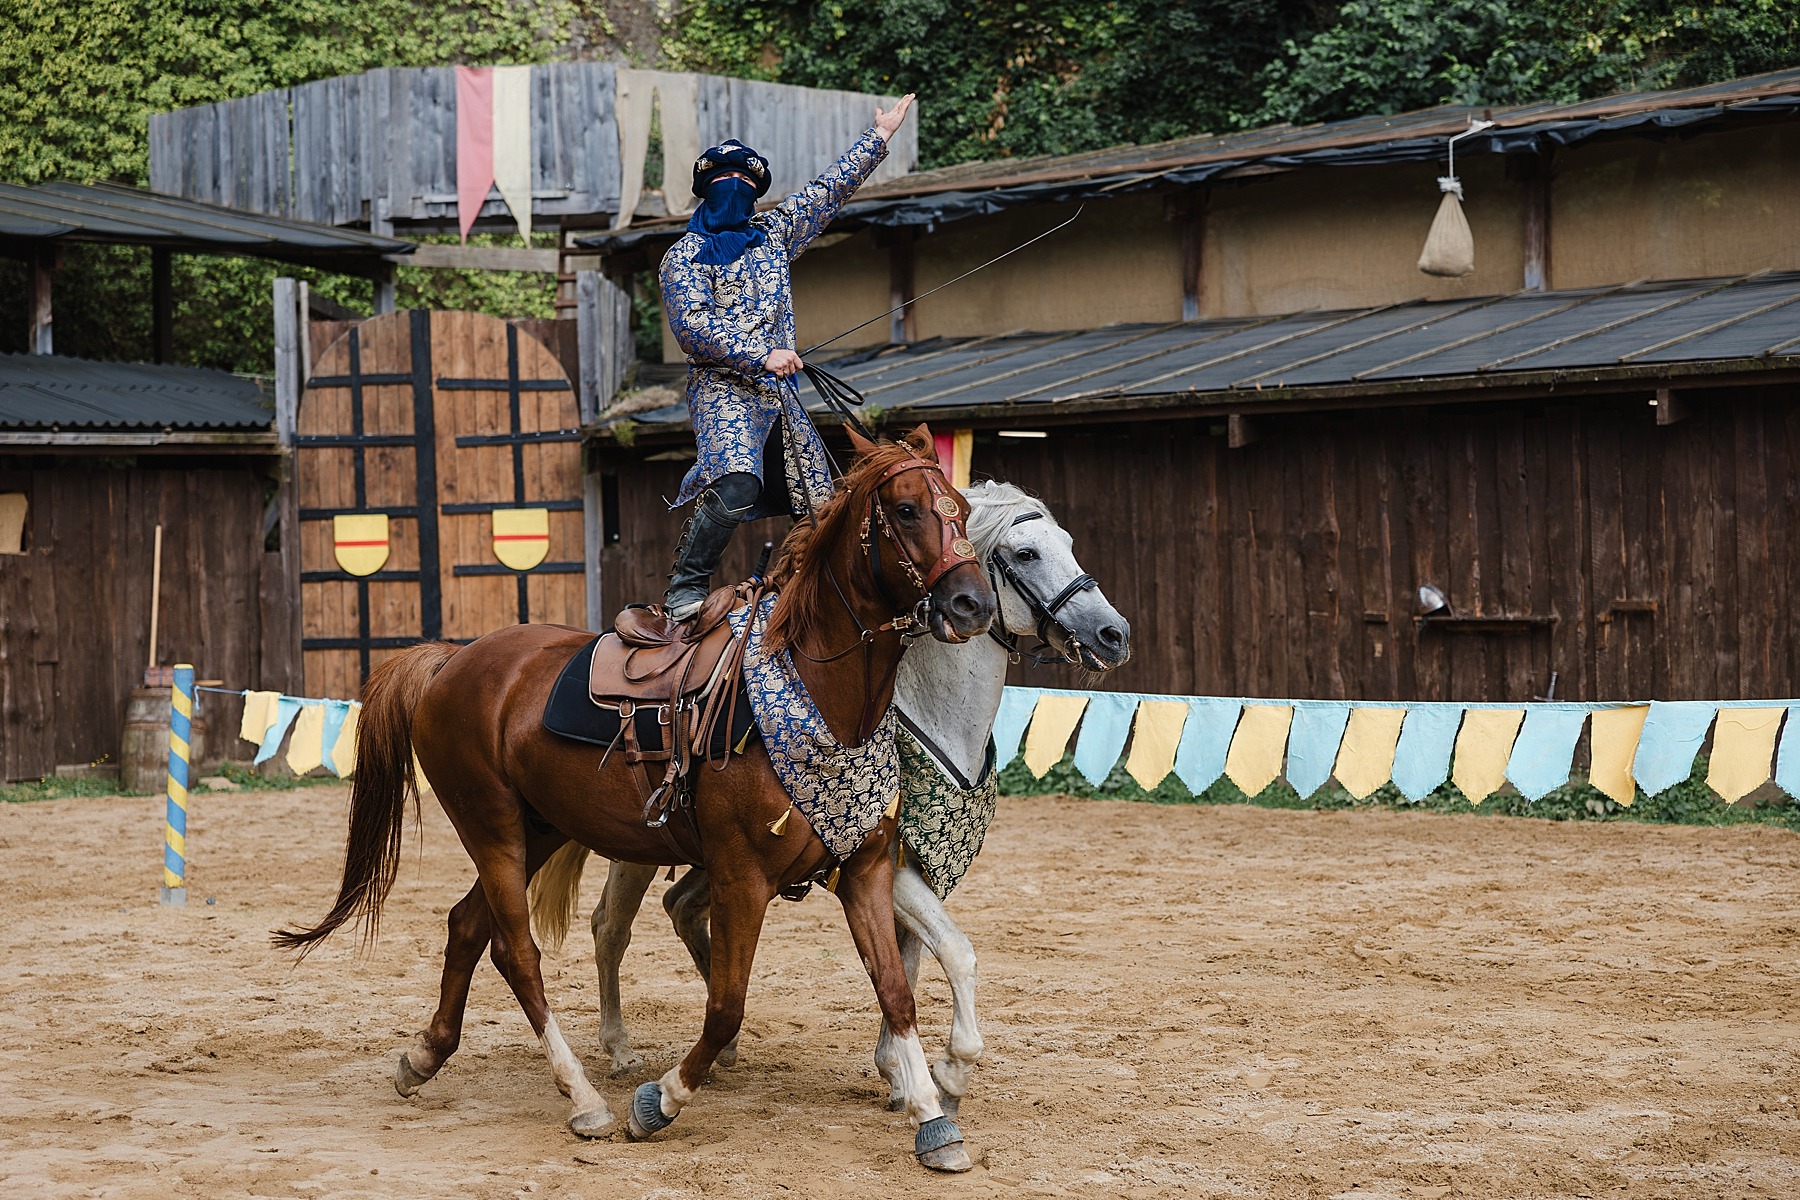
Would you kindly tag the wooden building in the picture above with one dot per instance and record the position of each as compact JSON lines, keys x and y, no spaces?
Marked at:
{"x":1267,"y":430}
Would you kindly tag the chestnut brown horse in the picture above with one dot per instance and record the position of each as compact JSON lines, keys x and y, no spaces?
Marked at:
{"x":885,"y":546}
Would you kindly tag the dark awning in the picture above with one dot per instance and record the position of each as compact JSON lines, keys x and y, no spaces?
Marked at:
{"x":45,"y":392}
{"x":73,"y":212}
{"x":1630,"y":332}
{"x":980,"y":188}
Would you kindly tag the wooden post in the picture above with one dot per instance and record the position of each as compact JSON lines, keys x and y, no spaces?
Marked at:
{"x":602,"y":338}
{"x":1241,"y":431}
{"x":900,"y":285}
{"x":287,"y":359}
{"x":162,"y":305}
{"x":304,"y":307}
{"x":155,"y":598}
{"x":1536,"y":178}
{"x":43,"y":269}
{"x":1670,"y":407}
{"x":1188,"y":210}
{"x":386,"y":287}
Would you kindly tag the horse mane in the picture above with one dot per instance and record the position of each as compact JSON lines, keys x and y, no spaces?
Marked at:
{"x":804,"y":593}
{"x":993,"y":506}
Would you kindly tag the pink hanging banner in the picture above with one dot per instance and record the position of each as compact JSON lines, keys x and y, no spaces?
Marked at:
{"x":474,"y":142}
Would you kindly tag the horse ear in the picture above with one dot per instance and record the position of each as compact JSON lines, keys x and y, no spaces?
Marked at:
{"x":858,"y":442}
{"x":920,"y":439}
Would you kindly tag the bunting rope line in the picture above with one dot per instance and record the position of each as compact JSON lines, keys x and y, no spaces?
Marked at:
{"x":1417,"y":746}
{"x":324,"y":731}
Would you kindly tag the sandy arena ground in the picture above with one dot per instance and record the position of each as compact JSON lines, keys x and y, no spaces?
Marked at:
{"x":1193,"y":1001}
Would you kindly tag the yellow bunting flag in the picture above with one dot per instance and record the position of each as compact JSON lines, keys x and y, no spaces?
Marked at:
{"x":1743,"y":751}
{"x":1365,"y":758}
{"x":1258,"y":747}
{"x":1482,"y":750}
{"x":1615,"y":742}
{"x":343,"y":755}
{"x":306,"y":745}
{"x":1052,"y":721}
{"x":360,"y":541}
{"x":1155,"y":734}
{"x":521,"y":536}
{"x":259,"y":714}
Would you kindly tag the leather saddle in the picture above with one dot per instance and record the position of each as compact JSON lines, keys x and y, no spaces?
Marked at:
{"x":687,"y":674}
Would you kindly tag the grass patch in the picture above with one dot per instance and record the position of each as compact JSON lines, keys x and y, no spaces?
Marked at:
{"x":1689,"y":802}
{"x":241,"y":774}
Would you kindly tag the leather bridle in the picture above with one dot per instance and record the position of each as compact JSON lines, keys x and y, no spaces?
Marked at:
{"x":1044,"y":611}
{"x":955,"y":550}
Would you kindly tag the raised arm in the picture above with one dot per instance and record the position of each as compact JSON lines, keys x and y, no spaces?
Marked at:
{"x":803,"y":216}
{"x":705,"y":331}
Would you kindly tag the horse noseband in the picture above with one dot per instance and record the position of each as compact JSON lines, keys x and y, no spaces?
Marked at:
{"x":956,"y":549}
{"x":1044,"y":611}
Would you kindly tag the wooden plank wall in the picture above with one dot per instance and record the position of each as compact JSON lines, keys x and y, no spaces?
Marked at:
{"x":386,"y":140}
{"x":1289,"y":568}
{"x":75,"y":609}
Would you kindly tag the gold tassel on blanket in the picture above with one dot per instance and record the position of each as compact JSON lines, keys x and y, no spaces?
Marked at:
{"x":779,"y":825}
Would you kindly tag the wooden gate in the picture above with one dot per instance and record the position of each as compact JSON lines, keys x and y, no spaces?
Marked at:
{"x":432,"y":450}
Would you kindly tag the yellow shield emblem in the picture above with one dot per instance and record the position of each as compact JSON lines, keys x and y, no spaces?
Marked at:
{"x":360,"y":541}
{"x":521,"y":536}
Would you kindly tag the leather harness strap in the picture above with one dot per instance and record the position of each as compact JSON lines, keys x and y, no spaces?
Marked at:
{"x":1045,"y":612}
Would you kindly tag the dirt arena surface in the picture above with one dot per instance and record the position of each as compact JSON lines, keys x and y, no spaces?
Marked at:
{"x":1177,"y":1001}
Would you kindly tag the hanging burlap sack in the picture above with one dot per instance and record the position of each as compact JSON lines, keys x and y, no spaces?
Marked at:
{"x":1450,"y":247}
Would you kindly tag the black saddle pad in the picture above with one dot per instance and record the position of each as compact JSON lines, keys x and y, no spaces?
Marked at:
{"x":572,"y":714}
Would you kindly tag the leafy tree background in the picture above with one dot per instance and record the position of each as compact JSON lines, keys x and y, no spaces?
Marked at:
{"x":79,"y":78}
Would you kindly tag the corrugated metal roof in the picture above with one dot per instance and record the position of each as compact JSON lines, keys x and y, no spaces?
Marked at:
{"x":42,"y":391}
{"x":1617,"y":330}
{"x":977,"y":188}
{"x":74,"y":212}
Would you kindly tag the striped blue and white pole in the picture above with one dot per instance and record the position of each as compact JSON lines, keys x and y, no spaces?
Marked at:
{"x":181,"y":721}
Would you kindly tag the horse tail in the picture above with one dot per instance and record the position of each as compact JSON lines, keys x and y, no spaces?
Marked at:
{"x":385,"y":779}
{"x":555,"y":892}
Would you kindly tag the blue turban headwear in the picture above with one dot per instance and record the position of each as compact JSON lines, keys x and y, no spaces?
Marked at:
{"x":726,"y":205}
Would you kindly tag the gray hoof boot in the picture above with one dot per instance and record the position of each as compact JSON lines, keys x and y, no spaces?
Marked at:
{"x":939,"y":1146}
{"x":595,"y":1124}
{"x":406,"y":1080}
{"x":646,"y":1117}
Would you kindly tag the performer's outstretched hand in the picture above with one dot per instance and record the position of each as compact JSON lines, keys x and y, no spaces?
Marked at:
{"x":783,"y":362}
{"x":889,"y":122}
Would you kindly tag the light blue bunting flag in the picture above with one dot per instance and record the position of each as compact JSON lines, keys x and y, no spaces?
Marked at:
{"x":1104,"y":727}
{"x":1787,"y":762}
{"x":1313,"y":744}
{"x":1422,"y":756}
{"x":1544,"y":753}
{"x":1016,"y":706}
{"x":1672,"y":736}
{"x":286,"y":709}
{"x":335,"y":712}
{"x":1205,"y":740}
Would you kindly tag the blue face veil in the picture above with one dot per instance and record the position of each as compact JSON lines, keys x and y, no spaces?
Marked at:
{"x":723,"y":221}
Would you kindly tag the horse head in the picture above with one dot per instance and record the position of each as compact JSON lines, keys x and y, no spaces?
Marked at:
{"x":1040,"y":585}
{"x":914,"y":509}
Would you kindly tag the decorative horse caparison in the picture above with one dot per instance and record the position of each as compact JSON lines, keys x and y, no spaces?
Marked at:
{"x":948,"y":695}
{"x":515,"y":792}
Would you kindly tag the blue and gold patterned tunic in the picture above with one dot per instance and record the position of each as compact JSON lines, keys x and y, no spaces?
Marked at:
{"x":729,"y":318}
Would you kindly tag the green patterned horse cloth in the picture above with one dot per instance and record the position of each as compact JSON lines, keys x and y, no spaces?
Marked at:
{"x":942,"y":822}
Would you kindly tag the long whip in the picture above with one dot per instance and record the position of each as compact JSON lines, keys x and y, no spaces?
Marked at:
{"x":940,"y":287}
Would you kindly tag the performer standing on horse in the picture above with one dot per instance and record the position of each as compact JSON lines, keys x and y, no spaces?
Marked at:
{"x":729,"y":300}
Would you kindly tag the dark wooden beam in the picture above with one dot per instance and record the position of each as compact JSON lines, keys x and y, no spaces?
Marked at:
{"x":1188,"y":210}
{"x":1670,"y":407}
{"x":1533,"y":172}
{"x":900,"y":284}
{"x":40,"y":313}
{"x":1241,"y":430}
{"x":162,"y":305}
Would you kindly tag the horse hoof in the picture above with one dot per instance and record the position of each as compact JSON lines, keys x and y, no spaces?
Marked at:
{"x":939,"y":1146}
{"x":406,"y":1080}
{"x":728,"y":1056}
{"x":646,"y":1116}
{"x":597,"y":1123}
{"x":628,"y":1063}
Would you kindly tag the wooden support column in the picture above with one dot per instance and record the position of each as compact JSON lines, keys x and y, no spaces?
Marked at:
{"x":604,"y":345}
{"x":162,"y":305}
{"x":1670,"y":407}
{"x":1241,"y":431}
{"x":900,"y":284}
{"x":386,"y":286}
{"x":279,"y":660}
{"x":1534,"y":174}
{"x":287,"y":359}
{"x":43,"y":271}
{"x":1188,"y":210}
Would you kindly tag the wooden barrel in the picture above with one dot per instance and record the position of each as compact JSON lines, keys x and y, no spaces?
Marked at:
{"x":144,"y":758}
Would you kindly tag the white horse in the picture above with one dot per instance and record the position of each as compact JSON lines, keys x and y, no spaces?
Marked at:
{"x":948,"y":696}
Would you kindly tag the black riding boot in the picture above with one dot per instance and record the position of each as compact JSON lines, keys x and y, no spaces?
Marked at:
{"x":704,"y":540}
